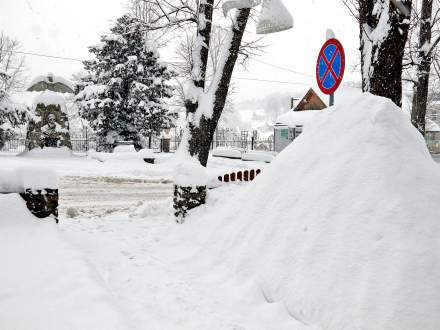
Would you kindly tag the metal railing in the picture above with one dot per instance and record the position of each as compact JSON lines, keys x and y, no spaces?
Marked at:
{"x":82,"y":143}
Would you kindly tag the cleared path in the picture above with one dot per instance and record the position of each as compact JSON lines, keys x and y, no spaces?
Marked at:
{"x":100,"y":196}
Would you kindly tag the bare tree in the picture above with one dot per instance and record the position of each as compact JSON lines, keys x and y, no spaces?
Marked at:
{"x":383,"y":26}
{"x":184,"y":65}
{"x":424,"y":52}
{"x":205,"y":99}
{"x":12,"y":68}
{"x":11,"y":80}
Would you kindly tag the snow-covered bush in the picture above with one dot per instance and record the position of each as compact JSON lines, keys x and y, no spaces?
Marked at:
{"x":124,"y":95}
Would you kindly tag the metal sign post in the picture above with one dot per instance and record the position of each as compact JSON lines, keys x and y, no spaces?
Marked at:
{"x":330,"y":67}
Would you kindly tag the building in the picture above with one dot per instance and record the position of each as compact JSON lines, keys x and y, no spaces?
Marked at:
{"x":290,"y":125}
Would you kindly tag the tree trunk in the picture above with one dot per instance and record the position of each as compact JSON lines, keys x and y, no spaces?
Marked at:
{"x":383,"y":35}
{"x":202,"y":132}
{"x":420,"y":96}
{"x":202,"y":124}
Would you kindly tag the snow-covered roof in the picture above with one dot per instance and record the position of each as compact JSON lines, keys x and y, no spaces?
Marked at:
{"x":298,"y":118}
{"x":50,"y":79}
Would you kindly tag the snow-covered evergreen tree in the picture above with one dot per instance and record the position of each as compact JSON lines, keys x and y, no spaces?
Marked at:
{"x":11,"y":114}
{"x":123,"y":97}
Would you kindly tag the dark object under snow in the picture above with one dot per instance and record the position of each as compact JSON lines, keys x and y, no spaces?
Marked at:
{"x":42,"y":203}
{"x":187,"y":198}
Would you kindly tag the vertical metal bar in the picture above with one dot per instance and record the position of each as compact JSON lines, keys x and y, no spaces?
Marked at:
{"x":332,"y":99}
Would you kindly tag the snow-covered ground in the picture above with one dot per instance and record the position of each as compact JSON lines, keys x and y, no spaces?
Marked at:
{"x":340,"y":231}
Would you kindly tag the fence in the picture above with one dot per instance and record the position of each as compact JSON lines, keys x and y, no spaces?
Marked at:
{"x":83,"y":142}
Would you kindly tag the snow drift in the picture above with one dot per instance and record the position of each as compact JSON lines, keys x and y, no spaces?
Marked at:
{"x":44,"y":282}
{"x":350,"y":236}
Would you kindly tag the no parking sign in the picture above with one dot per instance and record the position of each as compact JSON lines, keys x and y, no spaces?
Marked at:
{"x":330,"y":66}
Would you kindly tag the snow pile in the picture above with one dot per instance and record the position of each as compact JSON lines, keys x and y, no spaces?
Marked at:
{"x":298,"y":118}
{"x":19,"y":179}
{"x":51,"y":98}
{"x":349,"y":238}
{"x":259,"y":156}
{"x":124,"y":149}
{"x":45,"y":283}
{"x":274,"y":17}
{"x":123,"y":153}
{"x":227,"y":153}
{"x":189,"y":172}
{"x":48,"y":152}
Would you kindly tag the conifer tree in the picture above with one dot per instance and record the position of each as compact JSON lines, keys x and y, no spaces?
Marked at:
{"x":123,"y":97}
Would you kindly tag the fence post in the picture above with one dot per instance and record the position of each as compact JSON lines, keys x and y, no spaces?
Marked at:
{"x":87,"y":140}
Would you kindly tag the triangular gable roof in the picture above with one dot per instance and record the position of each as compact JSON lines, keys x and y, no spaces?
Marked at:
{"x":311,"y":101}
{"x":50,"y":83}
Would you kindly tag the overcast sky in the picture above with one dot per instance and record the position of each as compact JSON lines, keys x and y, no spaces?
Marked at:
{"x":66,"y":28}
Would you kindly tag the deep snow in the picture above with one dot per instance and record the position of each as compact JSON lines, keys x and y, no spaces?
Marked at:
{"x":340,"y":231}
{"x":349,"y":237}
{"x":45,"y":283}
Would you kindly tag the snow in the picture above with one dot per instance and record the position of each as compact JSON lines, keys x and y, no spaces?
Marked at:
{"x":259,"y":156}
{"x":124,"y":149}
{"x":189,"y":173}
{"x":48,"y":98}
{"x":349,"y":236}
{"x":274,"y":17}
{"x":45,"y":282}
{"x":340,"y":231}
{"x":299,"y":118}
{"x":238,"y":4}
{"x":18,"y":179}
{"x":330,"y":34}
{"x":55,"y":79}
{"x":47,"y":152}
{"x":227,"y":153}
{"x":432,"y":126}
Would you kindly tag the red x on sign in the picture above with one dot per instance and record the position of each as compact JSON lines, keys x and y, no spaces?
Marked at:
{"x":330,"y":66}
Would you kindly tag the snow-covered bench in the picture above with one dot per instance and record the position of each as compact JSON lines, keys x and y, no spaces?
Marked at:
{"x":37,"y":186}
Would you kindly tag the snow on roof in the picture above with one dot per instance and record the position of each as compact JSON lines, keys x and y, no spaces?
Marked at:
{"x":298,"y":118}
{"x":349,"y":236}
{"x":55,"y":79}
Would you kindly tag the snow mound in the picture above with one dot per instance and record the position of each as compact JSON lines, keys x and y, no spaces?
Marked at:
{"x":189,"y":172}
{"x":50,"y":98}
{"x":259,"y":156}
{"x":227,"y":153}
{"x":46,"y":283}
{"x":33,"y":177}
{"x":349,"y":238}
{"x":48,"y":152}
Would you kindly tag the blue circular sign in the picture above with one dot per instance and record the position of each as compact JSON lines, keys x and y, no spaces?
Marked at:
{"x":330,"y":66}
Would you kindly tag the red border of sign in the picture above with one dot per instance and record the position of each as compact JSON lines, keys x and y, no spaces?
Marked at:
{"x":341,"y":76}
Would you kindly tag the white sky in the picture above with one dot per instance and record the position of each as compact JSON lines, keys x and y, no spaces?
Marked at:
{"x":67,"y":27}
